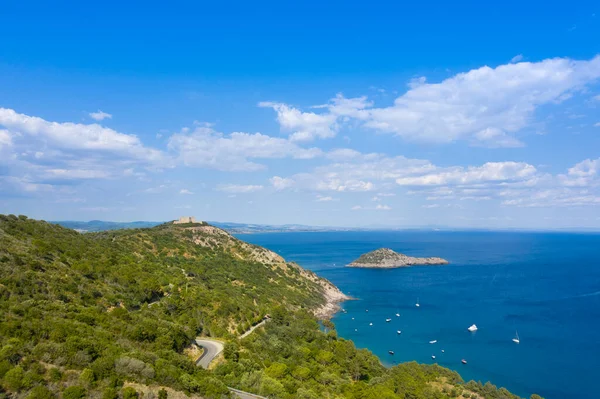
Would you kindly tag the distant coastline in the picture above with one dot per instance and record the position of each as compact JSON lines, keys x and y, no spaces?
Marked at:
{"x":247,"y":228}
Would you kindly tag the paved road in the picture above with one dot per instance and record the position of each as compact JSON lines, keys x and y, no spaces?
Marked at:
{"x":244,"y":395}
{"x":262,"y":323}
{"x":211,"y":349}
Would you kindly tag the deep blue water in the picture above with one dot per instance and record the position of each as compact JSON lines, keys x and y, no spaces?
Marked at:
{"x":545,"y":285}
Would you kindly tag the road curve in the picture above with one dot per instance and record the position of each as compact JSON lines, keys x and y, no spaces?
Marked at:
{"x":212,"y":348}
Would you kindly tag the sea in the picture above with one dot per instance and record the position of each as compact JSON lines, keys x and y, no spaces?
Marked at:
{"x":543,"y":286}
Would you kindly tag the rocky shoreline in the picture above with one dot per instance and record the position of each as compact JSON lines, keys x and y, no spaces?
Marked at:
{"x":333,"y":297}
{"x":385,"y":258}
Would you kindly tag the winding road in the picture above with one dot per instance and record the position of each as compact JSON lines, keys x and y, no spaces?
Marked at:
{"x":211,"y":347}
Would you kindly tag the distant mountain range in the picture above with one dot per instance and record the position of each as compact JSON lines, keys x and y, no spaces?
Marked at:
{"x":245,"y":228}
{"x":233,"y":228}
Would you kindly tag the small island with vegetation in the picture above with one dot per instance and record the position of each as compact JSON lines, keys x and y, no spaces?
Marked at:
{"x":385,"y":258}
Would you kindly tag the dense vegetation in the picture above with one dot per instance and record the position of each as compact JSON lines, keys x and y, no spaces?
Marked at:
{"x":82,"y":314}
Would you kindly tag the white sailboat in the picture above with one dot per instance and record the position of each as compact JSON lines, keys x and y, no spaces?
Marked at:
{"x":516,"y":339}
{"x":417,"y":304}
{"x":388,"y":320}
{"x":397,"y":314}
{"x":473,"y":328}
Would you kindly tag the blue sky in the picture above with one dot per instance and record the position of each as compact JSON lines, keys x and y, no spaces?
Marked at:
{"x":343,"y":113}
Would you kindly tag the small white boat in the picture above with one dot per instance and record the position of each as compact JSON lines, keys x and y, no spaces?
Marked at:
{"x":391,"y":352}
{"x":370,"y":324}
{"x":398,"y":332}
{"x":397,"y":314}
{"x":433,"y":357}
{"x":433,"y":342}
{"x":463,"y":361}
{"x":442,"y":351}
{"x":417,"y":304}
{"x":344,"y":310}
{"x":356,"y":329}
{"x":353,"y":318}
{"x":473,"y":328}
{"x":516,"y":339}
{"x":388,"y":320}
{"x":366,"y":310}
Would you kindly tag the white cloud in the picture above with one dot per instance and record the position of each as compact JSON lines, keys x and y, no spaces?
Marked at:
{"x":281,"y":183}
{"x":74,"y":174}
{"x":5,"y":139}
{"x":581,"y":174}
{"x":379,"y":207}
{"x":205,"y":147}
{"x":185,"y":191}
{"x":70,"y":136}
{"x":304,"y":126}
{"x":379,"y":196}
{"x":239,"y":188}
{"x":484,"y":105}
{"x":430,"y":206}
{"x":99,"y":116}
{"x":597,"y":124}
{"x":307,"y":126}
{"x":516,"y":58}
{"x":155,"y":190}
{"x":488,"y":172}
{"x":321,"y":198}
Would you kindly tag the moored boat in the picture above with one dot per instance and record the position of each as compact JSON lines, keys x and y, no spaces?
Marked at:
{"x":516,"y":339}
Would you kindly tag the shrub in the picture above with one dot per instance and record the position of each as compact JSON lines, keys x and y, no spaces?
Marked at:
{"x":13,"y":379}
{"x":74,"y":392}
{"x":41,"y":392}
{"x":110,"y":393}
{"x":129,"y":393}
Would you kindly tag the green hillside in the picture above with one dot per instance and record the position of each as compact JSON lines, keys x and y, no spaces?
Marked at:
{"x":83,"y":314}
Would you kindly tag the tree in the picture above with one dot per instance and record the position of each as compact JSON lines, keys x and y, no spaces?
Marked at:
{"x":231,"y":351}
{"x":129,"y":393}
{"x":41,"y":392}
{"x":74,"y":392}
{"x":162,"y":394}
{"x":110,"y":393}
{"x":301,"y":373}
{"x":13,"y":379}
{"x":87,"y":377}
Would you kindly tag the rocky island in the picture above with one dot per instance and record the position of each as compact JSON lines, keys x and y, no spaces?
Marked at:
{"x":386,"y":258}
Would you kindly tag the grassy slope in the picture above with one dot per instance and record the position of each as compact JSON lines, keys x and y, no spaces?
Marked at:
{"x":83,"y":313}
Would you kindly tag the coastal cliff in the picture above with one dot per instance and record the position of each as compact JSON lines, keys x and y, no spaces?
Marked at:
{"x":385,"y":258}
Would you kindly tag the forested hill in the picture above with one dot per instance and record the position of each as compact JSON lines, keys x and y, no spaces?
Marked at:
{"x":83,"y":315}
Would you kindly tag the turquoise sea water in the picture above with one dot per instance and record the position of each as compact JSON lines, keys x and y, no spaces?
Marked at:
{"x":545,"y":285}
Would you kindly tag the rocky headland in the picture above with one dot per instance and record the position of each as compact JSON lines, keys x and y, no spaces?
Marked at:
{"x":385,"y":258}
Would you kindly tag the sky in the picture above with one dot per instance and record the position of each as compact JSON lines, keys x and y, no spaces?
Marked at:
{"x":337,"y":113}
